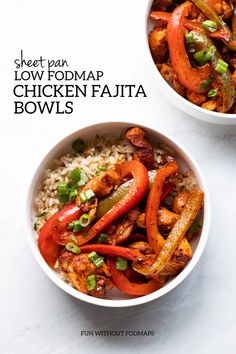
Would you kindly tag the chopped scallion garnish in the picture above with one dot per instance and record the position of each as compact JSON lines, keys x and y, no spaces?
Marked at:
{"x":75,"y":226}
{"x":212,"y":93}
{"x":102,"y":238}
{"x":205,"y":84}
{"x":97,"y":260}
{"x":75,"y":175}
{"x":91,"y":282}
{"x":87,"y":195}
{"x":102,"y":168}
{"x":72,"y":195}
{"x":63,"y":188}
{"x":63,"y":198}
{"x":189,"y":37}
{"x":209,"y":26}
{"x":85,"y":220}
{"x":73,"y":248}
{"x":221,"y":66}
{"x":78,"y":145}
{"x":83,"y":178}
{"x":121,"y":263}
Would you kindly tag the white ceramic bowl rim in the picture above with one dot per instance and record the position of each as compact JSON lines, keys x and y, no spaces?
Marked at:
{"x":139,"y":300}
{"x":179,"y":101}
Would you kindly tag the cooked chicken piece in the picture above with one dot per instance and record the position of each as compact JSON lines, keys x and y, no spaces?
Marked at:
{"x":77,"y":268}
{"x":170,"y":76}
{"x":179,"y":260}
{"x":141,"y":221}
{"x":158,"y":44}
{"x":165,"y":218}
{"x":142,"y":246}
{"x":210,"y":105}
{"x":234,"y":78}
{"x":144,"y":150}
{"x":224,"y":9}
{"x":179,"y":202}
{"x":103,"y":184}
{"x":125,"y":228}
{"x":161,"y":5}
{"x":196,"y":98}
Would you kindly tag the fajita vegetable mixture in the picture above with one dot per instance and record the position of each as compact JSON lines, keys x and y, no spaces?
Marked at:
{"x":193,"y":44}
{"x":117,"y":213}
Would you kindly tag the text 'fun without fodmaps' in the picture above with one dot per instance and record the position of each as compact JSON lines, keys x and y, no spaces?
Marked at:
{"x":44,"y":85}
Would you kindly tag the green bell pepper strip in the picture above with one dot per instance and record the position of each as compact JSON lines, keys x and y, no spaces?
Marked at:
{"x":224,"y":82}
{"x":210,"y":13}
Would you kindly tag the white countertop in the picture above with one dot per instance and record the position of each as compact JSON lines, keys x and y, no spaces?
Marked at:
{"x":37,"y":317}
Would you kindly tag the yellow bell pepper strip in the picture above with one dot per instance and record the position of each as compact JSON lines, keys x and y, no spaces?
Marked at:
{"x":135,"y":194}
{"x":123,"y":283}
{"x":189,"y":77}
{"x":193,"y":205}
{"x":155,"y":239}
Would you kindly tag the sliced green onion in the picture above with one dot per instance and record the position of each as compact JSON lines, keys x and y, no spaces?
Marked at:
{"x":102,"y":168}
{"x":63,"y":188}
{"x":85,"y":220}
{"x":75,"y":175}
{"x":121,"y":263}
{"x":209,"y":26}
{"x":73,"y":248}
{"x":73,"y":238}
{"x":221,"y":66}
{"x":200,"y":57}
{"x":91,"y":282}
{"x":205,"y":84}
{"x":83,"y":197}
{"x":189,"y":37}
{"x":93,"y":256}
{"x":83,"y":178}
{"x":209,"y":54}
{"x":72,"y":195}
{"x":102,"y":238}
{"x":63,"y":198}
{"x":212,"y":93}
{"x":97,"y":260}
{"x":75,"y":226}
{"x":90,"y":194}
{"x":78,"y":145}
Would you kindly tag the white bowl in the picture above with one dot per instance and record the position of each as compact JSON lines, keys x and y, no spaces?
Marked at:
{"x":172,"y":95}
{"x":185,"y":160}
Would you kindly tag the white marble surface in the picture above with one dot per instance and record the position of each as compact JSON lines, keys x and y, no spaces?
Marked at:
{"x":37,"y":317}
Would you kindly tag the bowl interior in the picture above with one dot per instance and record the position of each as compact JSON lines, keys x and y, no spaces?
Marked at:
{"x":179,"y":101}
{"x":116,"y":298}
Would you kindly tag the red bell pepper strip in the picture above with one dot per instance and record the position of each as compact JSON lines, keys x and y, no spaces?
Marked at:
{"x":48,"y":247}
{"x":155,"y":239}
{"x":189,"y":77}
{"x":70,"y":213}
{"x":113,"y":251}
{"x":135,"y":194}
{"x":191,"y":25}
{"x":122,"y":282}
{"x":167,"y":188}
